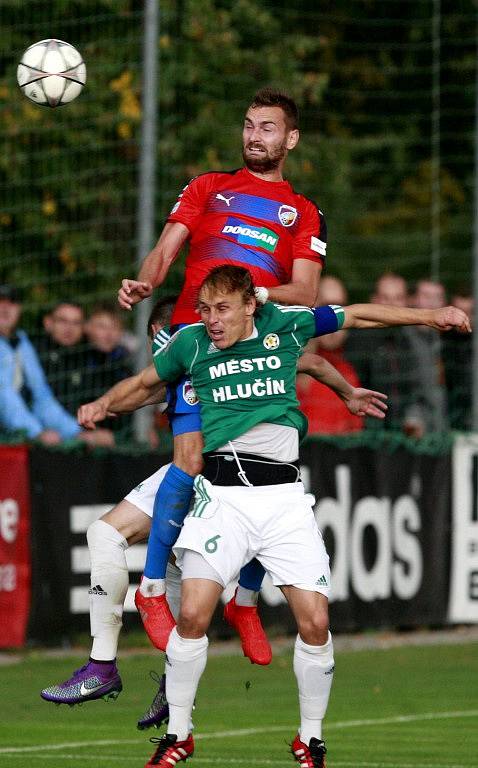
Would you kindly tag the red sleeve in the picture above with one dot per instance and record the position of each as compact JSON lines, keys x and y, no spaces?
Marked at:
{"x":310,"y":241}
{"x":192,"y":200}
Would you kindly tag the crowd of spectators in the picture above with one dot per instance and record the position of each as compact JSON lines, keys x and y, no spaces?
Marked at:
{"x":74,"y":358}
{"x":426,"y":375}
{"x":44,"y":378}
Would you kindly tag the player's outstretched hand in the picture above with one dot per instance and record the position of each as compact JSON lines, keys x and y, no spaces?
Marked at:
{"x":90,"y":413}
{"x":366,"y":402}
{"x":132,"y":292}
{"x":446,"y":318}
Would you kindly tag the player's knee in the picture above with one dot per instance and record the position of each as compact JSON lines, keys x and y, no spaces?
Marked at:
{"x":97,"y":533}
{"x":314,"y":628}
{"x":105,"y":543}
{"x":191,"y":622}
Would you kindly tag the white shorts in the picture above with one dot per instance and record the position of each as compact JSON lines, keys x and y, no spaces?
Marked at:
{"x":145,"y":492}
{"x":230,"y":525}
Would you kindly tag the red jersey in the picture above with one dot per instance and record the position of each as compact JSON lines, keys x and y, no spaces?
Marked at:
{"x":236,"y":218}
{"x":325,"y":412}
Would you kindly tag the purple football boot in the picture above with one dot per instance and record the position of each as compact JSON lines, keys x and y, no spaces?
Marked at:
{"x":158,"y":712}
{"x":93,"y":681}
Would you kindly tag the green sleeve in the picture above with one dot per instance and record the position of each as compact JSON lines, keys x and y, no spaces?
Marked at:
{"x":171,"y":359}
{"x":304,"y":322}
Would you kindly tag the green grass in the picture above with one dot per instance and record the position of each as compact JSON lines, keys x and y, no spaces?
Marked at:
{"x":433,"y":688}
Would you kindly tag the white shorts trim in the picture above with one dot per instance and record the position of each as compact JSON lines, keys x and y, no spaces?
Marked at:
{"x":230,"y":525}
{"x":143,"y":495}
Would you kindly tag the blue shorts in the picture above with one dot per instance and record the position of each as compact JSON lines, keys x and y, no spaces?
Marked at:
{"x":183,"y":406}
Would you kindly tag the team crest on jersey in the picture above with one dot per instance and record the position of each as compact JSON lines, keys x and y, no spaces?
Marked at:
{"x":189,"y":394}
{"x":271,"y":341}
{"x":287,"y":215}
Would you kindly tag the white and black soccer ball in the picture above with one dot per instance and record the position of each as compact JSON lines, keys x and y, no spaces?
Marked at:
{"x":51,"y":72}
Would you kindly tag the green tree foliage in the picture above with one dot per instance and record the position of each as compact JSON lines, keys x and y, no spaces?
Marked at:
{"x":360,"y":71}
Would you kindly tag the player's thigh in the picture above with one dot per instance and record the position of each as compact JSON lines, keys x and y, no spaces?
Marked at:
{"x":129,"y":521}
{"x":199,"y":598}
{"x":292,"y":548}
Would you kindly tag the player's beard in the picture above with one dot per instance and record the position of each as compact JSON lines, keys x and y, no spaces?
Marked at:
{"x":268,"y":161}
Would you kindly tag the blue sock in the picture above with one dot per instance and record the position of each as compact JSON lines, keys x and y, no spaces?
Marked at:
{"x":252,"y":576}
{"x":171,"y":506}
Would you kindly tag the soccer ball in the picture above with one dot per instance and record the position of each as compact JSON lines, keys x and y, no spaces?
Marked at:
{"x":51,"y":73}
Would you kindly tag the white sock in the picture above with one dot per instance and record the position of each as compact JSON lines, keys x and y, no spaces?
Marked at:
{"x":314,"y":670}
{"x":185,"y":663}
{"x":246,"y":597}
{"x":173,"y":588}
{"x":152,"y":587}
{"x":109,"y":585}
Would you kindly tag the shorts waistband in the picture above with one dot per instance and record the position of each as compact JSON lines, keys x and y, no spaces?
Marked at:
{"x":223,"y":469}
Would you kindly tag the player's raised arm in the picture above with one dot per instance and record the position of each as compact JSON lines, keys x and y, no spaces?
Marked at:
{"x":302,"y":289}
{"x":382,"y":316}
{"x":358,"y":400}
{"x":128,"y":395}
{"x":155,"y":267}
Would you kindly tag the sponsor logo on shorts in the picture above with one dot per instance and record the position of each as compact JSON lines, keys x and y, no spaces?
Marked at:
{"x":262,"y":237}
{"x":287,"y":215}
{"x":98,"y":590}
{"x":189,"y":394}
{"x":322,"y":581}
{"x":271,"y":341}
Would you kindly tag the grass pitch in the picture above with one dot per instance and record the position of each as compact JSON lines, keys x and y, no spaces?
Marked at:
{"x":408,"y":707}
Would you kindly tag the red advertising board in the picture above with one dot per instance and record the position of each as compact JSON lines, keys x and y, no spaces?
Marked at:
{"x":15,"y":563}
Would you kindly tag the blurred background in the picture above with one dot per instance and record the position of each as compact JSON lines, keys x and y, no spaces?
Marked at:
{"x":387,"y":97}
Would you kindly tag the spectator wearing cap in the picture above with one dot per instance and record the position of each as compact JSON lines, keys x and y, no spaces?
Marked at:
{"x":27,"y":403}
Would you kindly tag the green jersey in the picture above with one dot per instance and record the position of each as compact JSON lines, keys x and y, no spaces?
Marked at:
{"x":252,"y":381}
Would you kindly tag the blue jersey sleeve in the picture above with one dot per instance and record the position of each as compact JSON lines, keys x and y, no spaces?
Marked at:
{"x":328,"y":319}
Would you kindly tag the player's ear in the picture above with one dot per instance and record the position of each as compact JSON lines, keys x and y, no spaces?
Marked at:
{"x":251,"y":305}
{"x":292,"y":138}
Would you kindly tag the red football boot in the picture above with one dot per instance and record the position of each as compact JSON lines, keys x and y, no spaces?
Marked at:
{"x":312,"y":756}
{"x":247,"y":623}
{"x":157,"y":618}
{"x":170,"y":751}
